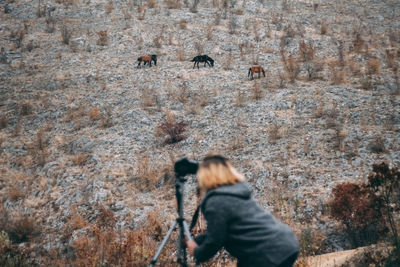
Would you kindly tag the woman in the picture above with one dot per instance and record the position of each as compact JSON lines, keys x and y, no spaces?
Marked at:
{"x":235,"y":221}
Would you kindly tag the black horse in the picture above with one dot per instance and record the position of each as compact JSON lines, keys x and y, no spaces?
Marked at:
{"x":203,"y":58}
{"x":147,"y":59}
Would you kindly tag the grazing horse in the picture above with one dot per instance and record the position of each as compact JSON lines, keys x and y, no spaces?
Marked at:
{"x":203,"y":58}
{"x":256,"y":69}
{"x":147,"y":59}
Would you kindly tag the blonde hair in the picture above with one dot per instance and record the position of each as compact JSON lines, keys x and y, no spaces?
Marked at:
{"x":216,"y":170}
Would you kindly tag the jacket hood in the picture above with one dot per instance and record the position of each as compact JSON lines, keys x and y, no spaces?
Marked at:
{"x":239,"y":189}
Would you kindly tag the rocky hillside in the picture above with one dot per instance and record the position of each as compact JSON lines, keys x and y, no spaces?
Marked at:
{"x":85,"y":134}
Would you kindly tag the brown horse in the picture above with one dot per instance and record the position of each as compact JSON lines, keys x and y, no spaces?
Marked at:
{"x":147,"y":59}
{"x":256,"y":69}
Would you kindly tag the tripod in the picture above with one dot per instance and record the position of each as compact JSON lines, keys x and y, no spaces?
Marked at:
{"x":183,"y":227}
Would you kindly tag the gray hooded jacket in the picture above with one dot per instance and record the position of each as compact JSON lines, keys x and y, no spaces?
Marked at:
{"x":249,"y":233}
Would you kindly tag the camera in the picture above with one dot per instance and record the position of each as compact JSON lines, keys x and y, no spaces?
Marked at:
{"x":185,"y":166}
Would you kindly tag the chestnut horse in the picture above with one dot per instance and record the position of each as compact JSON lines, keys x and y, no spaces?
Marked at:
{"x":256,"y":69}
{"x":147,"y":59}
{"x":203,"y":58}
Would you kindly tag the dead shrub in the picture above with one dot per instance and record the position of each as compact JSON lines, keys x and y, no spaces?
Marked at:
{"x":341,"y":53}
{"x":174,"y":131}
{"x":291,"y":66}
{"x":257,"y":91}
{"x":151,"y":3}
{"x":341,"y":134}
{"x":209,"y":33}
{"x":148,"y":175}
{"x":25,"y":109}
{"x":3,"y":122}
{"x":66,"y":34}
{"x":274,"y":133}
{"x":183,"y":24}
{"x":22,"y":228}
{"x":306,"y":51}
{"x":50,"y":24}
{"x":193,"y":8}
{"x":358,"y":42}
{"x":367,"y":83}
{"x":105,"y":218}
{"x":172,"y":4}
{"x":373,"y":66}
{"x":390,"y":58}
{"x":377,"y":145}
{"x":338,"y":76}
{"x":94,"y":113}
{"x":240,"y":100}
{"x":80,"y":159}
{"x":14,"y":193}
{"x":233,"y":25}
{"x":312,"y":242}
{"x":142,"y":12}
{"x":109,"y":7}
{"x":157,"y":41}
{"x":148,"y":98}
{"x":354,"y":205}
{"x":324,"y":28}
{"x":103,"y":38}
{"x":106,"y":118}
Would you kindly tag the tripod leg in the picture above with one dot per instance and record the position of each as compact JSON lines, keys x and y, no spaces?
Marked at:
{"x":171,"y":229}
{"x":187,"y":232}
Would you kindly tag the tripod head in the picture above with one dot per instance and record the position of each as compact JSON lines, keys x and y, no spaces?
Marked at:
{"x":184,"y":167}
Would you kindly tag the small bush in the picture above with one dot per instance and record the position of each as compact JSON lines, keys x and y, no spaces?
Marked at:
{"x":355,"y":206}
{"x":174,"y":131}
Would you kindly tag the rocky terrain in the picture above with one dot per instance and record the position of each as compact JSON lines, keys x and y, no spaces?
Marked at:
{"x":85,"y":133}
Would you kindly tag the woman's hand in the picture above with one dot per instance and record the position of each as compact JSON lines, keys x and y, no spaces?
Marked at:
{"x":191,"y":245}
